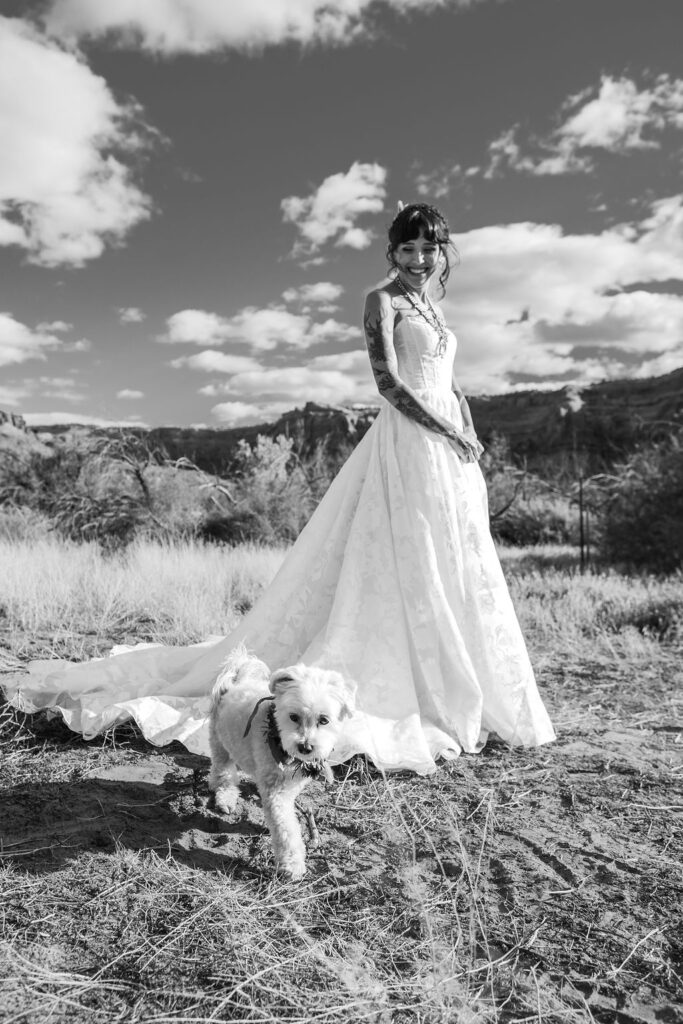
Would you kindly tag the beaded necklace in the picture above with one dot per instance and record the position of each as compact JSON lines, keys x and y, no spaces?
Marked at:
{"x":429,"y":315}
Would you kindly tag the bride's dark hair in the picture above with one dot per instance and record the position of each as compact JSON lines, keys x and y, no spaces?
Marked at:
{"x":420,"y":218}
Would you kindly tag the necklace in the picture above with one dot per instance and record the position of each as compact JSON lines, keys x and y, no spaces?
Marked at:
{"x":428,"y":314}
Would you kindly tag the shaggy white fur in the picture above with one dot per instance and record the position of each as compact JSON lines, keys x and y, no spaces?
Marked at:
{"x":308,"y":706}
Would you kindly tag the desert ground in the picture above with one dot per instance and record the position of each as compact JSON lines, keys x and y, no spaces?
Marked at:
{"x":515,"y":885}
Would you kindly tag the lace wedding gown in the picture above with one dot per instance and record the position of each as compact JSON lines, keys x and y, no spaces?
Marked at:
{"x":394,"y":582}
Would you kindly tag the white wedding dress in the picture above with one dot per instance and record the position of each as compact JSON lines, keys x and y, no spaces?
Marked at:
{"x":394,"y":582}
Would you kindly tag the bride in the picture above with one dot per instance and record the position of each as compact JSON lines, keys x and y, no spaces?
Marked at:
{"x":394,"y":582}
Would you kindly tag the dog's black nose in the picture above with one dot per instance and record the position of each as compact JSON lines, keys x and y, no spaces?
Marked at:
{"x":304,"y":748}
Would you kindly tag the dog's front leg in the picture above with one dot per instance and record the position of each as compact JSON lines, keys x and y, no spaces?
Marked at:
{"x":224,"y":783}
{"x":288,"y":844}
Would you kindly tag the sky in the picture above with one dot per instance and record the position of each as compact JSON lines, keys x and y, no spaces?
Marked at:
{"x":195,"y":194}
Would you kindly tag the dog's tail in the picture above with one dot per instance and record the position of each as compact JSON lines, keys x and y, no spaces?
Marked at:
{"x":228,"y":673}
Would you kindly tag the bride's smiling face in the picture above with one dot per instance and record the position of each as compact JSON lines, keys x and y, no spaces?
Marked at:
{"x":417,"y":261}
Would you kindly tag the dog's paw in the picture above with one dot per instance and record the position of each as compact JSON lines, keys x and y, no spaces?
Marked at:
{"x":293,"y":869}
{"x":225,"y":800}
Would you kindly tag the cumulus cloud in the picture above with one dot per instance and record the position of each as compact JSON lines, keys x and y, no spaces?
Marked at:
{"x":202,"y":26}
{"x":329,"y":214}
{"x":194,"y":326}
{"x":53,"y":419}
{"x":82,"y":345}
{"x":256,"y":329}
{"x":19,"y":343}
{"x":441,"y":181}
{"x":65,"y":389}
{"x":216,"y":362}
{"x":130,"y":393}
{"x":55,"y":326}
{"x":130,"y":315}
{"x":533,"y":304}
{"x":341,"y":379}
{"x":239,"y":414}
{"x":64,"y":191}
{"x":615,"y":117}
{"x":322,"y":296}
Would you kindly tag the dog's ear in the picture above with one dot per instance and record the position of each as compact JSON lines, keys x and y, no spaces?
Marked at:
{"x":346,"y":691}
{"x":281,"y":679}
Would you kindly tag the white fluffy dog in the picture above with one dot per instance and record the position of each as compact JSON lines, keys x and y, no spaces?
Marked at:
{"x":280,"y":729}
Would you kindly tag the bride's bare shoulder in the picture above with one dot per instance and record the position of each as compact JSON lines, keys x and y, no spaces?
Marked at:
{"x":381,"y":298}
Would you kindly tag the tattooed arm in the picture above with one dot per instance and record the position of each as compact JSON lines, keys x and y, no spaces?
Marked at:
{"x":378,"y":323}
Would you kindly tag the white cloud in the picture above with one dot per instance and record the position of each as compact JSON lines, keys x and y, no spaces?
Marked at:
{"x":19,"y":343}
{"x":616,"y":117}
{"x":257,"y":329}
{"x":558,"y":156}
{"x":66,"y":389}
{"x":579,"y":325}
{"x":82,"y":345}
{"x":216,"y":362}
{"x":64,"y":194}
{"x":194,"y":326}
{"x":238,"y":414}
{"x":130,"y":315}
{"x":322,"y":295}
{"x":438,"y":183}
{"x":130,"y":393}
{"x":55,"y":325}
{"x":329,"y":214}
{"x":53,"y":419}
{"x":202,"y":26}
{"x":331,"y":379}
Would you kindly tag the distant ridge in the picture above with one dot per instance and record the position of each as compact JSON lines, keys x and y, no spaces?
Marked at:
{"x":602,"y":422}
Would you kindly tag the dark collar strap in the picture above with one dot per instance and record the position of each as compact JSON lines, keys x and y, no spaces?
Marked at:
{"x":253,"y":714}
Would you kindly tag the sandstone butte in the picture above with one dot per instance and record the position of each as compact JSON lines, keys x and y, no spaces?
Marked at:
{"x":600,"y":422}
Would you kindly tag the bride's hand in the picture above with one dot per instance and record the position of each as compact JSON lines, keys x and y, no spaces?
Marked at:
{"x":467,"y":447}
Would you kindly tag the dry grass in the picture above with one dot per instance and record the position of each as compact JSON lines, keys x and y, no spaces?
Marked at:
{"x":514,"y":886}
{"x":177,"y":592}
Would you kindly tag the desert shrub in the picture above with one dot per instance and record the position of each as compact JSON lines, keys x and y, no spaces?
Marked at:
{"x":111,"y":520}
{"x":268,"y":500}
{"x":523,"y":508}
{"x":539,"y":519}
{"x":642,"y":520}
{"x":655,"y":615}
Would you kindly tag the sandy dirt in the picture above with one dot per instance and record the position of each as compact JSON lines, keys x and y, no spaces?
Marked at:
{"x":576,"y":846}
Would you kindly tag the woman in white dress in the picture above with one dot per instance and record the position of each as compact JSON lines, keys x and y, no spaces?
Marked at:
{"x":394,"y":582}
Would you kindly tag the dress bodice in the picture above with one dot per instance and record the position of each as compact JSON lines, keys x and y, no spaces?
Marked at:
{"x":420,"y":363}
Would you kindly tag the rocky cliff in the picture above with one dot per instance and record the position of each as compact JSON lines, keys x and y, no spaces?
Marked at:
{"x":600,"y":423}
{"x":16,"y":439}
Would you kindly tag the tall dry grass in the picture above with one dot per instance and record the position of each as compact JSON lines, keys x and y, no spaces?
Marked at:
{"x":173,"y":592}
{"x":185,"y":591}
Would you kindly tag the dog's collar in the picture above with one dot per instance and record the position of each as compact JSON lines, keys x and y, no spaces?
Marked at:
{"x":312,"y":769}
{"x":257,"y":705}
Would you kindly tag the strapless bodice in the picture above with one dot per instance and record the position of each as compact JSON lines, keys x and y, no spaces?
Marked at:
{"x":420,"y":363}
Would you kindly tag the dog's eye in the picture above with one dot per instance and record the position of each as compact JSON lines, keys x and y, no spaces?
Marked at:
{"x":323,"y":720}
{"x":295,"y":719}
